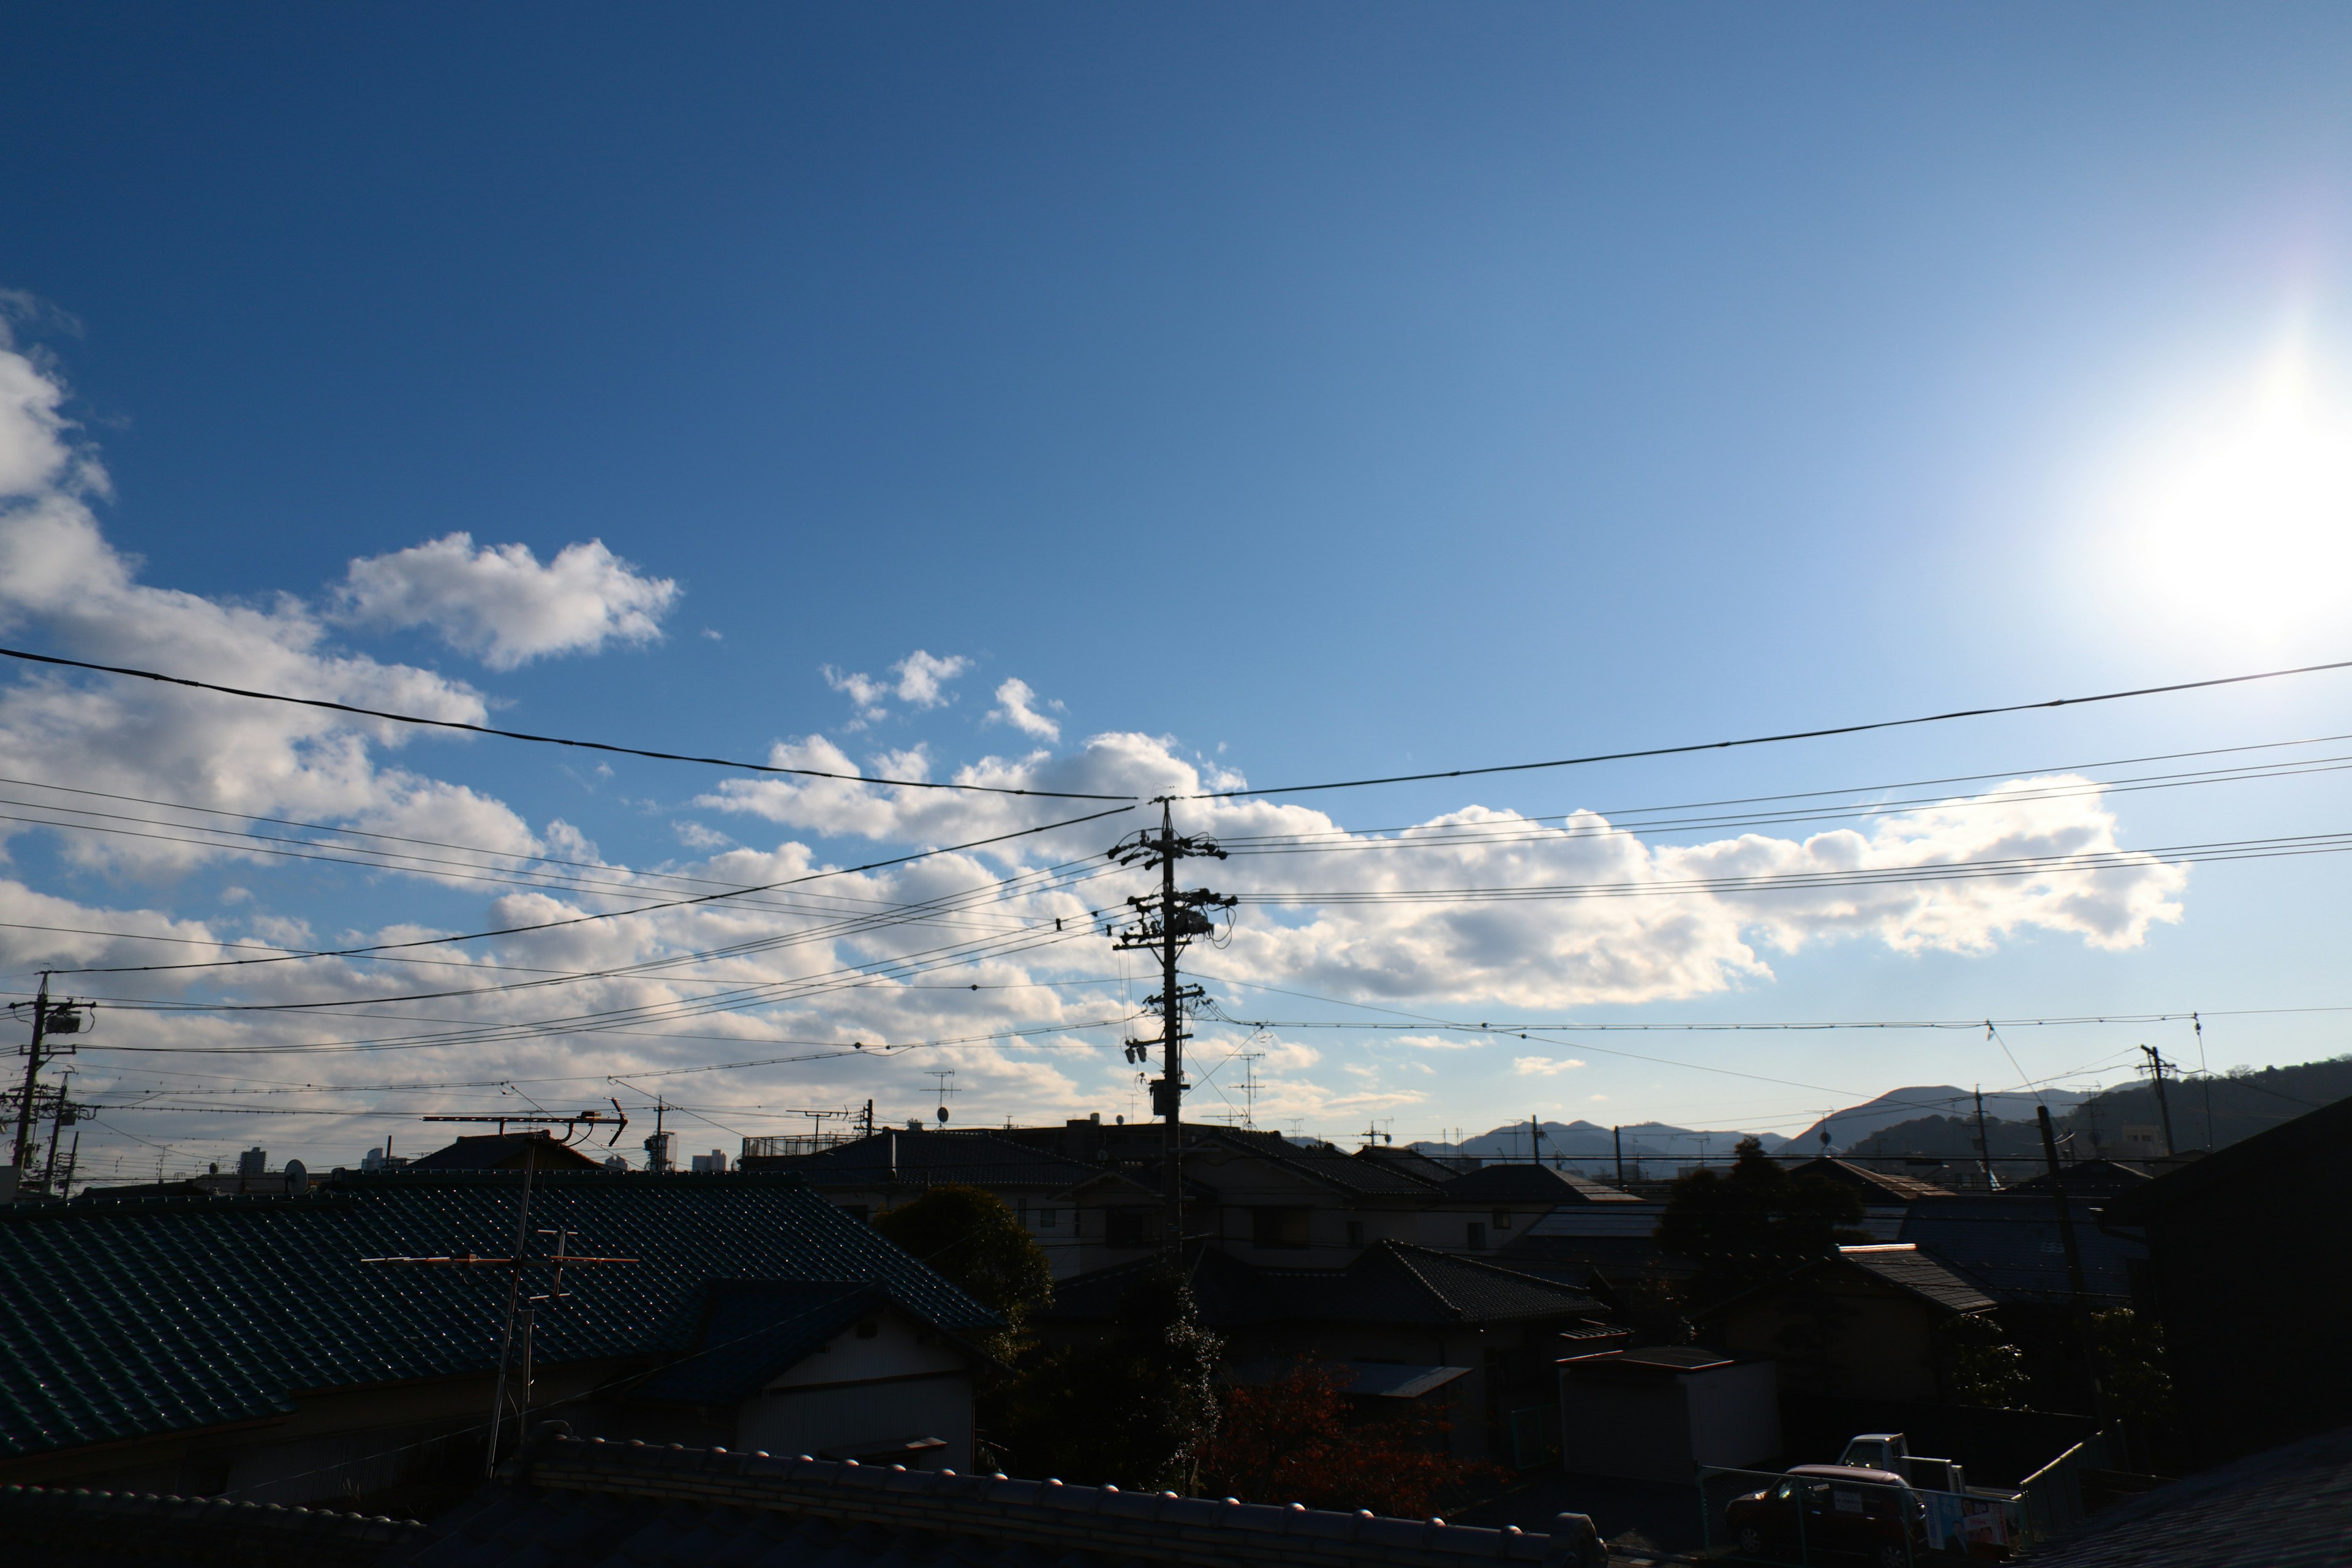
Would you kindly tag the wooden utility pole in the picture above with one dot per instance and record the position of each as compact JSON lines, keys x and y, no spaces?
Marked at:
{"x":1984,"y":1143}
{"x":2156,"y":1065}
{"x":48,"y":1018}
{"x":1166,"y":922}
{"x":2076,"y":1286}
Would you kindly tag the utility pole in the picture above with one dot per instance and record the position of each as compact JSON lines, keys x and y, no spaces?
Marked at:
{"x":1984,"y":1143}
{"x":60,"y":1018}
{"x":64,"y":1117}
{"x":2205,"y":1078}
{"x":2075,"y":1286}
{"x":1167,"y":922}
{"x":1617,"y":1144}
{"x":2156,"y":1065}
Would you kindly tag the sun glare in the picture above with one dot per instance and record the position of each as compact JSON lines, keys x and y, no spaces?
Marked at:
{"x":2245,"y":527}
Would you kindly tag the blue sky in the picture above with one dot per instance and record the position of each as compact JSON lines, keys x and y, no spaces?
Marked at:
{"x":1327,"y":390}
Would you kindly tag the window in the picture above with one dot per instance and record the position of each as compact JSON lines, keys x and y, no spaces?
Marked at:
{"x":1502,"y":1220}
{"x":1048,"y":1218}
{"x":1355,"y":1233}
{"x":1284,"y":1225}
{"x":1131,"y":1224}
{"x":1476,"y":1241}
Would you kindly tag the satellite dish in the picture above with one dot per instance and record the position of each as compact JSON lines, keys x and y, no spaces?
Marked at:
{"x":943,"y":1113}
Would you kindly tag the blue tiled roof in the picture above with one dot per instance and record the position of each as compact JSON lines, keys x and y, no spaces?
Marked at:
{"x":130,"y":1319}
{"x":2011,"y":1245}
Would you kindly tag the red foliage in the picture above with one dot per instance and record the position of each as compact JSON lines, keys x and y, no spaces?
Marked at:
{"x":1299,"y":1440}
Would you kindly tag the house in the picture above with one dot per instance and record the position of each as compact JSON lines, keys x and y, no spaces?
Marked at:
{"x":538,"y":1149}
{"x":1307,"y":1203}
{"x":1045,"y":1190}
{"x":2246,"y":1250}
{"x":2009,"y":1245}
{"x":1487,"y":1337}
{"x":1487,"y":1209}
{"x":2102,"y":1177}
{"x":589,"y":1504}
{"x":296,"y":1347}
{"x":1863,"y":1321}
{"x":1886,"y":1196}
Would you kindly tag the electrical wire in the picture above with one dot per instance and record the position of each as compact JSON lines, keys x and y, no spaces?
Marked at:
{"x":1770,"y":739}
{"x":537,"y":739}
{"x":1799,"y":881}
{"x":602,"y":915}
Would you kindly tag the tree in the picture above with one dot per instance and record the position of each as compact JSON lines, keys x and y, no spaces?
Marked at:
{"x":1754,"y":1223}
{"x":1134,"y":1408}
{"x":2131,"y":1366}
{"x":1296,"y":1439}
{"x":968,"y":1236}
{"x":1978,"y":1364}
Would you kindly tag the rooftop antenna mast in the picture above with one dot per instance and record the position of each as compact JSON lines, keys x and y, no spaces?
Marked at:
{"x":1166,"y":922}
{"x":945,"y":1078}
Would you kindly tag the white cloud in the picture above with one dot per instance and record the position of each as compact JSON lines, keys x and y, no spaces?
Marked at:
{"x":920,"y":683}
{"x":791,"y":955}
{"x":34,"y":453}
{"x":922,"y":676}
{"x":1016,"y":704}
{"x":1543,"y":1067}
{"x":498,"y":604}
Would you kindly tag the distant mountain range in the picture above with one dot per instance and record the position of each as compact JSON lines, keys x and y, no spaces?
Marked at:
{"x":1852,"y":1125}
{"x":1587,"y":1142}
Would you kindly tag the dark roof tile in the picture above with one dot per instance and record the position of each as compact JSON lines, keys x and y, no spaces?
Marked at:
{"x":126,"y":1319}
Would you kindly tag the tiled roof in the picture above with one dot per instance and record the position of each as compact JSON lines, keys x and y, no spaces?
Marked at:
{"x":1412,"y":1162}
{"x":1390,"y":1282}
{"x":912,"y":1158}
{"x":1326,"y":1164}
{"x":491,"y":1151}
{"x":99,"y":1530}
{"x":2009,"y":1244}
{"x":590,"y":1505}
{"x":1876,"y":1186}
{"x":1529,"y":1183}
{"x":2288,"y":1507}
{"x":1904,"y":1266}
{"x":2090,"y":1176}
{"x":120,"y":1319}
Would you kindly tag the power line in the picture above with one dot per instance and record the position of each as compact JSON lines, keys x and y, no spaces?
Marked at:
{"x":537,"y":739}
{"x":1800,"y":881}
{"x":606,"y":914}
{"x":1769,"y":740}
{"x":1634,"y":822}
{"x":1614,"y":812}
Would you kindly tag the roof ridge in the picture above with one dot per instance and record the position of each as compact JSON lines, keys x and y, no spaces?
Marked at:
{"x":1397,"y":1249}
{"x":1157,"y":1528}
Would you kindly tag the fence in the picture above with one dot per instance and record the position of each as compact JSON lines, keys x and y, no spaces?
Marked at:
{"x":778,"y":1147}
{"x":2053,"y":1495}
